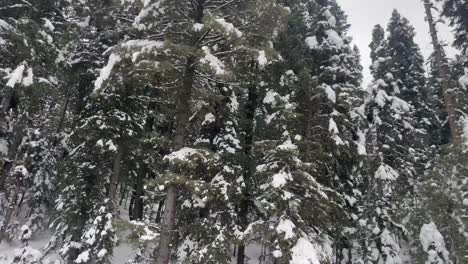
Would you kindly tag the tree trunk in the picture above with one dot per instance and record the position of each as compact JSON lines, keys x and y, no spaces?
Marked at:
{"x":114,"y":181}
{"x":443,"y":75}
{"x":64,"y":111}
{"x":159,"y":212}
{"x":249,"y":165}
{"x":183,"y":98}
{"x":137,"y":209}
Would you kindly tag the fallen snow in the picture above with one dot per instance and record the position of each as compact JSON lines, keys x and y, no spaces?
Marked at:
{"x":184,"y":154}
{"x":28,"y":80}
{"x":143,"y":46}
{"x":464,"y":121}
{"x":105,"y":72}
{"x":270,"y":98}
{"x":464,"y":80}
{"x":83,"y":257}
{"x":332,"y":127}
{"x":261,"y":59}
{"x":197,"y":27}
{"x":385,"y":172}
{"x":280,"y":179}
{"x":304,"y":253}
{"x":4,"y":25}
{"x":361,"y":143}
{"x":330,"y":93}
{"x":432,"y":240}
{"x":48,"y":24}
{"x":286,"y":227}
{"x":216,"y":64}
{"x":3,"y":147}
{"x":312,"y":42}
{"x":228,"y":27}
{"x":16,"y":76}
{"x":334,"y":38}
{"x":287,"y":145}
{"x":330,"y":18}
{"x":209,"y":118}
{"x":401,"y":105}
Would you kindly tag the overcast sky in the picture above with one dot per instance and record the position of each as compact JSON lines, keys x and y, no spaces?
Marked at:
{"x":364,"y":14}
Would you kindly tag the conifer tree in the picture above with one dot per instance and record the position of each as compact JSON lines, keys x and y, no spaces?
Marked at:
{"x":327,"y":98}
{"x":396,"y":110}
{"x":28,"y":42}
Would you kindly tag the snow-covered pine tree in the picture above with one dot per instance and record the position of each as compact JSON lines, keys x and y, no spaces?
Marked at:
{"x":28,"y":42}
{"x":194,"y":58}
{"x":450,"y":165}
{"x":105,"y":125}
{"x":456,"y":13}
{"x":396,"y":110}
{"x":441,"y":86}
{"x":307,"y":25}
{"x":328,"y":96}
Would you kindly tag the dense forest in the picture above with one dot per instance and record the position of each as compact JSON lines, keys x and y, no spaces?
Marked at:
{"x":229,"y":132}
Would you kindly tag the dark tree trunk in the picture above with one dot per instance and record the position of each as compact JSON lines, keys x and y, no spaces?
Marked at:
{"x":115,"y":178}
{"x":443,"y":75}
{"x":249,"y":164}
{"x":137,"y":209}
{"x":183,"y":98}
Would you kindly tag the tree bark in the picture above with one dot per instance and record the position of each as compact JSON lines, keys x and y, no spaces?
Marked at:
{"x":64,"y":111}
{"x":443,"y":75}
{"x":183,"y":98}
{"x":137,"y":209}
{"x":249,"y":165}
{"x":114,"y":181}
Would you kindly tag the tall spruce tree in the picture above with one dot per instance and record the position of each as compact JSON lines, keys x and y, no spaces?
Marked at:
{"x":327,"y":124}
{"x":29,"y":44}
{"x":396,"y":110}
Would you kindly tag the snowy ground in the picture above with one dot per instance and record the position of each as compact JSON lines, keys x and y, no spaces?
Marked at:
{"x":122,"y":253}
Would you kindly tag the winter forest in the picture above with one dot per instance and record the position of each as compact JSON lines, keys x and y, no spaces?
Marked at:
{"x":230,"y":132}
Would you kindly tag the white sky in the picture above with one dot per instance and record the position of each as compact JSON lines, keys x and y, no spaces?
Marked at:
{"x":364,"y":14}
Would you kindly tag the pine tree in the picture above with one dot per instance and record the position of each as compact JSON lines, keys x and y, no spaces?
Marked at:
{"x":396,"y":110}
{"x":441,"y":83}
{"x":201,"y":57}
{"x":327,"y":122}
{"x":104,"y":124}
{"x":29,"y":41}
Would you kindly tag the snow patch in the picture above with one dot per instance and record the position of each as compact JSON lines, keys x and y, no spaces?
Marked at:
{"x":270,"y":98}
{"x":330,"y":93}
{"x":261,"y":59}
{"x":304,"y":253}
{"x":184,"y":154}
{"x":280,"y":179}
{"x":4,"y":25}
{"x":330,"y":18}
{"x":286,"y":227}
{"x":228,"y":27}
{"x":216,"y":64}
{"x":3,"y":147}
{"x":209,"y":118}
{"x":464,"y":80}
{"x":361,"y":143}
{"x":83,"y":257}
{"x":386,"y":173}
{"x":312,"y":42}
{"x":432,"y":240}
{"x":197,"y":27}
{"x":48,"y":24}
{"x":105,"y":72}
{"x":332,"y":127}
{"x":334,"y":38}
{"x":16,"y":76}
{"x":29,"y":79}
